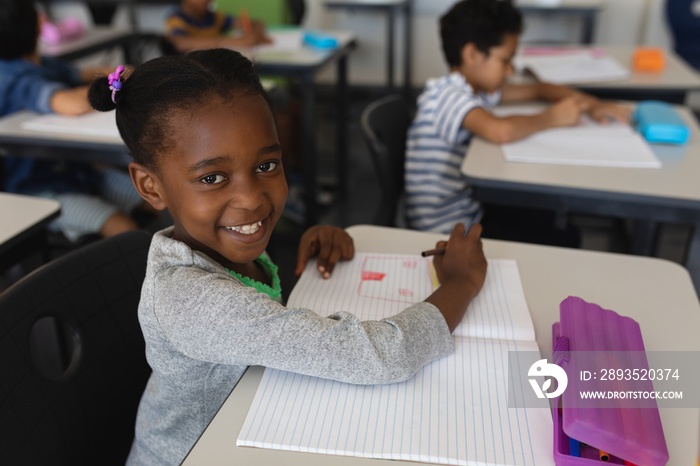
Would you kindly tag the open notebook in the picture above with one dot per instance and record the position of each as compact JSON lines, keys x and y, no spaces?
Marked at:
{"x":587,"y":143}
{"x":453,"y":411}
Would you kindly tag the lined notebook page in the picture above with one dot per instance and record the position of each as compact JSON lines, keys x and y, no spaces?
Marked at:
{"x":376,"y":286}
{"x":453,"y":411}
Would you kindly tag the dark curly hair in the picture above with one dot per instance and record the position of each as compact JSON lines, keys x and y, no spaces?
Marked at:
{"x":157,"y":88}
{"x":19,"y":28}
{"x":481,"y":22}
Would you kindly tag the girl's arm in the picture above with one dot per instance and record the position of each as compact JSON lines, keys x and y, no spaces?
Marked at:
{"x":461,"y":271}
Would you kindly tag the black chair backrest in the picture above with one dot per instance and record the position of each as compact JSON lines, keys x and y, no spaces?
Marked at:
{"x":384,"y":125}
{"x":683,"y":17}
{"x":72,"y":356}
{"x":297,"y":10}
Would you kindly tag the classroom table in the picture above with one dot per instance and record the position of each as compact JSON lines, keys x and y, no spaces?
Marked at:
{"x":22,"y":229}
{"x":647,"y":196}
{"x":21,"y":142}
{"x":95,"y":39}
{"x":304,"y":64}
{"x":586,"y":10}
{"x":656,"y":293}
{"x":672,"y":84}
{"x":392,"y":8}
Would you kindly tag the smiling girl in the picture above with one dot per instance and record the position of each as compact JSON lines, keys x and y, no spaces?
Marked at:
{"x":205,"y":147}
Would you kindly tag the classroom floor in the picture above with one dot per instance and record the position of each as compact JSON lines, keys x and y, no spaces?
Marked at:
{"x":600,"y":234}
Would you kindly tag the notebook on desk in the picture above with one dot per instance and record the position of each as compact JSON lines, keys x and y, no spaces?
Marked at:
{"x":91,"y":124}
{"x":453,"y":411}
{"x":562,"y":65}
{"x":588,"y":144}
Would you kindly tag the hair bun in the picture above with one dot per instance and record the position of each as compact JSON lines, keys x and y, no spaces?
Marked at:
{"x":100,"y":95}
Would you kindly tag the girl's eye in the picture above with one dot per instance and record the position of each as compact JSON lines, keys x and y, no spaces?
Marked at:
{"x":212,"y":179}
{"x":266,"y":167}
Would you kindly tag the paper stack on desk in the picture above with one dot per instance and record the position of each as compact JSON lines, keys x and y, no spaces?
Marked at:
{"x":90,"y":124}
{"x":588,"y":143}
{"x":568,"y":66}
{"x":453,"y":411}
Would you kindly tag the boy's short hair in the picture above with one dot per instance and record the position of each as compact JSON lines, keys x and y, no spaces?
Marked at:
{"x":482,"y":22}
{"x":19,"y":28}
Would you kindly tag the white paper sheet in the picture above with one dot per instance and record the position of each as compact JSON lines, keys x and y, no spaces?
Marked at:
{"x":588,"y":143}
{"x":92,"y":124}
{"x":577,"y":66}
{"x":453,"y":411}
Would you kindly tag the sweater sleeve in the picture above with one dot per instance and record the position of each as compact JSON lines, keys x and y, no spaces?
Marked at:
{"x":218,"y":320}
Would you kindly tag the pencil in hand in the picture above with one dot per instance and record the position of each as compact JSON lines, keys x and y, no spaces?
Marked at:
{"x":432,"y":252}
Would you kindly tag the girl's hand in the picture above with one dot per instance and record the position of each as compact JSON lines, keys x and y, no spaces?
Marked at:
{"x":463,"y":260}
{"x":331,"y":244}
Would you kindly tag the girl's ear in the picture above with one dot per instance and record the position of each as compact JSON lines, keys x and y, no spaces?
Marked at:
{"x":148,"y":186}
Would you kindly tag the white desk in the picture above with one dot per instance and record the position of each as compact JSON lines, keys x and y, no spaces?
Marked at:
{"x":649,"y":196}
{"x":656,"y":293}
{"x":21,"y":142}
{"x":671,"y":84}
{"x":22,"y":224}
{"x":94,"y":40}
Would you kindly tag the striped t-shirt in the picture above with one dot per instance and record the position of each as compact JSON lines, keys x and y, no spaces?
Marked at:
{"x":437,"y":194}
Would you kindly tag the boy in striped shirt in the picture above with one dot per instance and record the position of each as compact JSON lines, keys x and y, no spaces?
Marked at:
{"x":479,"y":40}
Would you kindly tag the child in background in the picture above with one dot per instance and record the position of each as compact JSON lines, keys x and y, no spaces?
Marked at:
{"x":479,"y":40}
{"x":195,"y":25}
{"x":92,"y":201}
{"x":205,"y":147}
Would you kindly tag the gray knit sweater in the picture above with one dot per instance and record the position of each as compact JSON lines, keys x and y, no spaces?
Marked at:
{"x":203,"y":328}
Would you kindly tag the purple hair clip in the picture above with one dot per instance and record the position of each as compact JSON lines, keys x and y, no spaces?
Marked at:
{"x":115,"y":83}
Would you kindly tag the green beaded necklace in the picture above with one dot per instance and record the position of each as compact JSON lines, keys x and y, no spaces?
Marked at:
{"x":274,"y":291}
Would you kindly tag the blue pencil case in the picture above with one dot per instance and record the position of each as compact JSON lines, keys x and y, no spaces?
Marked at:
{"x":319,"y":40}
{"x":659,"y":122}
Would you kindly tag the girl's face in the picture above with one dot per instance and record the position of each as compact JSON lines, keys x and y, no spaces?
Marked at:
{"x":223,"y":183}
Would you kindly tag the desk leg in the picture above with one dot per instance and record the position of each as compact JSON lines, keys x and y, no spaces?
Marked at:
{"x":309,"y":153}
{"x":341,"y":128}
{"x":644,"y":237}
{"x":391,"y":21}
{"x":408,"y":48}
{"x":692,"y":260}
{"x":588,"y":25}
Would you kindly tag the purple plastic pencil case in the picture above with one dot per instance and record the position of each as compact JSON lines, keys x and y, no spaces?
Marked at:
{"x":589,"y":338}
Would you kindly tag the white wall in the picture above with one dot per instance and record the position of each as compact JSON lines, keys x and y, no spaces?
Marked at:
{"x":620,"y":22}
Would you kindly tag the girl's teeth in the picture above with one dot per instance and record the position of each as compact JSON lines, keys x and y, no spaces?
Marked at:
{"x":247,"y":229}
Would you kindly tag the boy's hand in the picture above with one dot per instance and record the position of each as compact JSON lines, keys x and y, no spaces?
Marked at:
{"x":568,"y":110}
{"x":603,"y":112}
{"x":463,"y":259}
{"x":331,"y":244}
